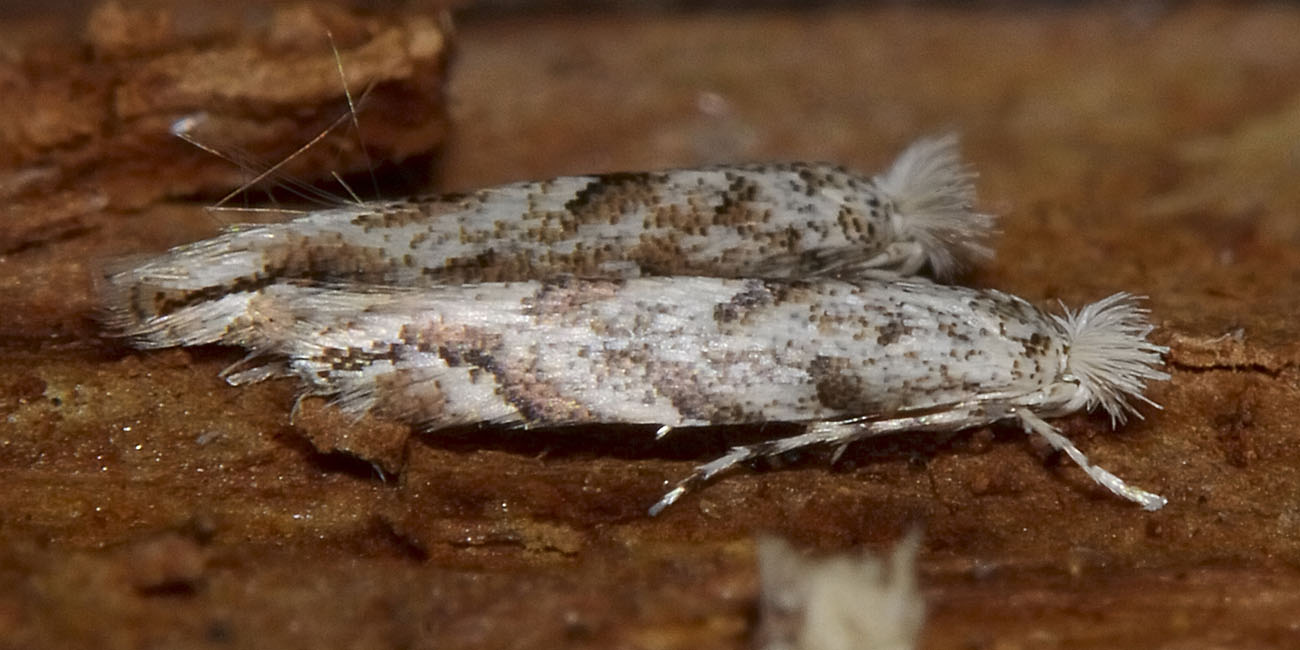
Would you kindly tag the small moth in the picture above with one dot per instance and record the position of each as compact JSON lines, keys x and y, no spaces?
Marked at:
{"x":848,"y":359}
{"x":781,"y":220}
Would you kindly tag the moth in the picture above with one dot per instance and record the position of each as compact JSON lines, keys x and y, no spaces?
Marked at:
{"x":778,"y":220}
{"x":846,"y":359}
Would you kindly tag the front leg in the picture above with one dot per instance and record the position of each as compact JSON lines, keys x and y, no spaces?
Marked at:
{"x":1034,"y":424}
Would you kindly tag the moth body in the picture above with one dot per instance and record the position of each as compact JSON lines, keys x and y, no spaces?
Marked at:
{"x":847,"y":359}
{"x":776,"y":220}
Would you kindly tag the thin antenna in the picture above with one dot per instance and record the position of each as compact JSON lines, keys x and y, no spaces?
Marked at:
{"x":347,"y":187}
{"x":183,"y":127}
{"x":250,"y":209}
{"x":274,"y":168}
{"x":356,"y":123}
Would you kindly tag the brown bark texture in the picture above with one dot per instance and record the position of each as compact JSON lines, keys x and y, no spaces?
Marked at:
{"x":1140,"y":147}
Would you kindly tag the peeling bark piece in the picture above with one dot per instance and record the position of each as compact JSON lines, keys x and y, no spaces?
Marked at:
{"x":99,"y":112}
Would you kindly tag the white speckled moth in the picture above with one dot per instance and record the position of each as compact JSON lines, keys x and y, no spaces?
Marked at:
{"x":780,"y":220}
{"x":848,"y":359}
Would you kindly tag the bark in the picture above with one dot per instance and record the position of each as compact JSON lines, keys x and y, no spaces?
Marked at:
{"x":1151,"y":150}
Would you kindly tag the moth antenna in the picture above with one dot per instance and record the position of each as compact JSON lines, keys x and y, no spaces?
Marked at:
{"x":356,"y":123}
{"x":933,"y":193}
{"x":1109,"y":354}
{"x":184,"y":128}
{"x":339,"y":179}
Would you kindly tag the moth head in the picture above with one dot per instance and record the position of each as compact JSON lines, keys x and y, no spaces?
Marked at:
{"x":933,"y":195}
{"x":1108,"y":355}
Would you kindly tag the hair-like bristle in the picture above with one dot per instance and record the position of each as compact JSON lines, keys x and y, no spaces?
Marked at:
{"x":129,"y":292}
{"x":934,"y":194}
{"x":232,"y":319}
{"x":1110,"y":355}
{"x":119,"y":309}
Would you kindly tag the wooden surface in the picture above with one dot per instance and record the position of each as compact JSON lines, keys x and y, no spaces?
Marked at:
{"x":144,"y":503}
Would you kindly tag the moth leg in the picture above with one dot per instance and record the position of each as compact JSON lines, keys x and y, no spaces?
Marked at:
{"x":885,"y":275}
{"x":908,"y":257}
{"x":297,"y":405}
{"x":244,"y":372}
{"x":898,"y":259}
{"x":1034,"y":424}
{"x":839,"y":451}
{"x":840,"y":432}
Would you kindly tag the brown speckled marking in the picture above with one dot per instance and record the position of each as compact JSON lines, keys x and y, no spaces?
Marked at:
{"x":399,"y":214}
{"x":754,"y":294}
{"x":411,"y":395}
{"x":841,"y":389}
{"x":890,"y":332}
{"x":314,"y":259}
{"x":559,"y":296}
{"x":354,"y":359}
{"x":610,"y":197}
{"x":537,"y":401}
